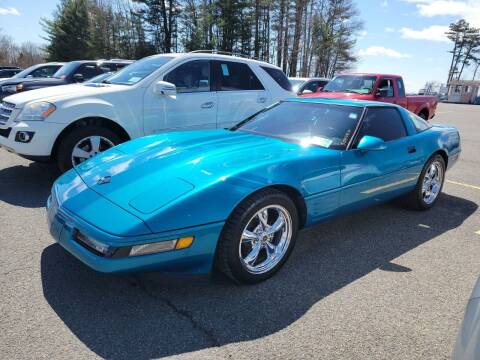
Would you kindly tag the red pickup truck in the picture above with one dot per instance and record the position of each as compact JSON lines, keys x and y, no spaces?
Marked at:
{"x":377,"y":87}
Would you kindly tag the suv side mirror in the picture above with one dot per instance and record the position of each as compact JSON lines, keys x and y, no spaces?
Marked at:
{"x":78,"y":78}
{"x":371,"y":143}
{"x":164,"y":88}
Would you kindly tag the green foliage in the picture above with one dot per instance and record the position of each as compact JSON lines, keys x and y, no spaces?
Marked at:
{"x":305,"y":37}
{"x":69,"y":33}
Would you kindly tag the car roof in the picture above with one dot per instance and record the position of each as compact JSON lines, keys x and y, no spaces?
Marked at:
{"x":207,"y":55}
{"x":369,"y":74}
{"x":346,"y":102}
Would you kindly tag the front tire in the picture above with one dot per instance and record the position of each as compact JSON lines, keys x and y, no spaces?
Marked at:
{"x":258,"y":237}
{"x":83,"y":143}
{"x":429,"y":184}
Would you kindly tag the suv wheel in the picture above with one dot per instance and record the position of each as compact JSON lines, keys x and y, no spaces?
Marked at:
{"x":84,"y":143}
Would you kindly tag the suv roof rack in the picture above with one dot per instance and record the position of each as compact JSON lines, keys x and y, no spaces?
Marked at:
{"x":221,"y":52}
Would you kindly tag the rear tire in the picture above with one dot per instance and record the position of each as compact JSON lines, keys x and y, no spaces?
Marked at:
{"x":90,"y":139}
{"x":429,"y":184}
{"x":249,"y":250}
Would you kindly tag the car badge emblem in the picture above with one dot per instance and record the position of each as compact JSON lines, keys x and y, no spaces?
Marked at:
{"x":104,"y":180}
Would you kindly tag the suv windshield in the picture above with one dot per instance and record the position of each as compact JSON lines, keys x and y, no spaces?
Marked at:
{"x":326,"y":125}
{"x":139,"y":70}
{"x":359,"y":84}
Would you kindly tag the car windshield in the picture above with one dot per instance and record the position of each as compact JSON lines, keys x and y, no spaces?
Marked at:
{"x":359,"y":84}
{"x":65,"y":70}
{"x":296,"y":83}
{"x":25,"y":72}
{"x":139,"y":70}
{"x":326,"y":125}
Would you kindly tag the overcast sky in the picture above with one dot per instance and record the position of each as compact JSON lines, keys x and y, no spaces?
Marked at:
{"x":404,"y":37}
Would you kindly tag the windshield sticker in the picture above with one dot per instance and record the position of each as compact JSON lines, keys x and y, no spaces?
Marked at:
{"x":353,"y":116}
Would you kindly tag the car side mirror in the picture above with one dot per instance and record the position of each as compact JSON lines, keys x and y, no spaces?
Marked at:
{"x":78,"y":78}
{"x":370,"y":143}
{"x":29,"y":76}
{"x":306,"y":91}
{"x":381,"y":93}
{"x":164,"y":88}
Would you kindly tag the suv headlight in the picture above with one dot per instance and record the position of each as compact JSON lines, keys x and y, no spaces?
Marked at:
{"x":36,"y":111}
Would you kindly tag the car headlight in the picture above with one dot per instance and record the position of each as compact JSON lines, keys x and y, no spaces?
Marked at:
{"x":36,"y":111}
{"x":9,"y":88}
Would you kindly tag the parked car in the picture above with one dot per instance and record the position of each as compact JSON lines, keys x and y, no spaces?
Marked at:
{"x":467,"y":346}
{"x":9,"y":86}
{"x":100,"y":78}
{"x":378,"y":87}
{"x":69,"y":124}
{"x":8,"y":73}
{"x":303,"y":85}
{"x":72,"y":72}
{"x":235,"y":198}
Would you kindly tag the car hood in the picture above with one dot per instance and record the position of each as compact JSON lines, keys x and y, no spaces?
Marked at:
{"x":63,"y":92}
{"x":339,"y":95}
{"x":147,"y":174}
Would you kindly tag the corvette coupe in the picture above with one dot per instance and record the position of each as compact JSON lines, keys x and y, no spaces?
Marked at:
{"x":234,"y":199}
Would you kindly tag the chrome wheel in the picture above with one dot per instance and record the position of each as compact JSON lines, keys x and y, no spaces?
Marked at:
{"x":265,"y":239}
{"x":432,"y":182}
{"x":89,"y":147}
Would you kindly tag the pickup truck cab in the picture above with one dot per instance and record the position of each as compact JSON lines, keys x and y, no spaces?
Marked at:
{"x":169,"y":92}
{"x":378,"y":87}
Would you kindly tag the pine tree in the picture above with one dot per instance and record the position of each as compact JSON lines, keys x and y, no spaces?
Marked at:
{"x":68,"y":33}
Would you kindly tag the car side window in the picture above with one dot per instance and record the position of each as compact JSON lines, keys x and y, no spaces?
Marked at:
{"x":311,"y":86}
{"x":400,"y":87}
{"x":384,"y":123}
{"x":235,"y":76}
{"x":193,"y":76}
{"x":386,"y":88}
{"x":88,"y":71}
{"x":419,"y":124}
{"x":44,"y":72}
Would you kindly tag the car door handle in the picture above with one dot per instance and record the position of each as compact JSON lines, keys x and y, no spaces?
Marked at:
{"x":261,"y":100}
{"x":207,"y":105}
{"x":411,"y":149}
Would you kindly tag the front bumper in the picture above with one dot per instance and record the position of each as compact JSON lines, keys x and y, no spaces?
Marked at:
{"x":44,"y":136}
{"x":196,"y":259}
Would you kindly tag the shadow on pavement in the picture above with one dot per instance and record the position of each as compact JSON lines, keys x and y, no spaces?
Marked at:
{"x":27,"y":186}
{"x":149,"y":315}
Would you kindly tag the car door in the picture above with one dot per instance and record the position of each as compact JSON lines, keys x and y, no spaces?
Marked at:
{"x":372,"y":176}
{"x":193,"y":107}
{"x":240,"y":92}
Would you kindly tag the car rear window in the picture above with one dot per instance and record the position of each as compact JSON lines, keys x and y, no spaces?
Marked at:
{"x":419,"y":124}
{"x":279,"y":77}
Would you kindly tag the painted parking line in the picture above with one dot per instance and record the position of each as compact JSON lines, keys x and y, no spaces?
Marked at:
{"x":464,"y":185}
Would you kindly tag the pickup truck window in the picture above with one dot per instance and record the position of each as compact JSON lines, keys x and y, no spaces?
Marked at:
{"x":400,"y":87}
{"x":386,"y":88}
{"x":193,"y":76}
{"x":358,"y":84}
{"x":384,"y":123}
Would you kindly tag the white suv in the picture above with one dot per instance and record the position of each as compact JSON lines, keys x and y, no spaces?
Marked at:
{"x":69,"y":124}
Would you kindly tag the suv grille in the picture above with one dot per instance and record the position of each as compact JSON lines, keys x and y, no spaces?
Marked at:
{"x":5,"y":112}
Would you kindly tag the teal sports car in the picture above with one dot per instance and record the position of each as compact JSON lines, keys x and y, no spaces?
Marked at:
{"x":235,"y":199}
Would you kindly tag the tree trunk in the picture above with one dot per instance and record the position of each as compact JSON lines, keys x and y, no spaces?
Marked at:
{"x":296,"y":37}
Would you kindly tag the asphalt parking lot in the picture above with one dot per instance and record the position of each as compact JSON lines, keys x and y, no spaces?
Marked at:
{"x":385,"y":283}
